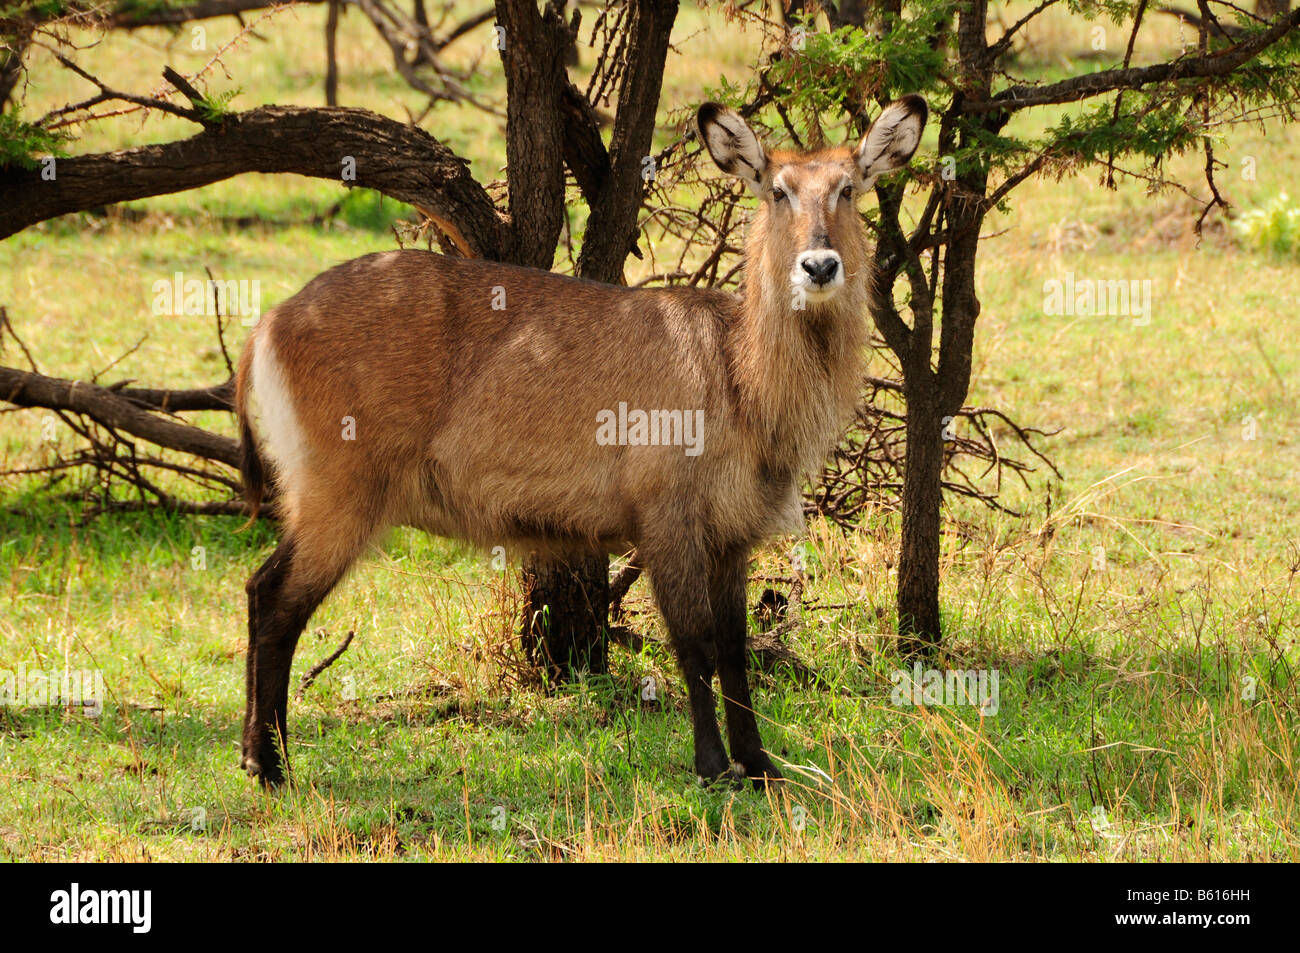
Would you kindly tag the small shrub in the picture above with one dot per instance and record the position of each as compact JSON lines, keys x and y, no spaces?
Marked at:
{"x":1274,"y":228}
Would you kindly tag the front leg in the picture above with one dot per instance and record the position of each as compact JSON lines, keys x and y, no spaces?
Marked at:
{"x":727,"y":589}
{"x":677,"y":576}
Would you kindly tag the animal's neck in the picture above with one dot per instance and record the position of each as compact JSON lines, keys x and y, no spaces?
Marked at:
{"x":798,"y":372}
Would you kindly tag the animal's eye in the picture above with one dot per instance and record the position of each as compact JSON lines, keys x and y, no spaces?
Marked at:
{"x":847,"y":192}
{"x":778,"y":195}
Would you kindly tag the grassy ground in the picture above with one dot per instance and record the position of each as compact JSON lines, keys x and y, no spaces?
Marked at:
{"x":1142,"y":624}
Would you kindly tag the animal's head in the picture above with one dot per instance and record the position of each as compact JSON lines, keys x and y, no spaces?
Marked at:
{"x":808,"y":227}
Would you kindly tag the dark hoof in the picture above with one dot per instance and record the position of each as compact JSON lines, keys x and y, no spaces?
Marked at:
{"x":267,"y":771}
{"x":729,"y":778}
{"x":714,"y":770}
{"x":760,"y":770}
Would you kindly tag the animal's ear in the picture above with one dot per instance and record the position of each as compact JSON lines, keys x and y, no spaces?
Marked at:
{"x":731,"y":142}
{"x":892,"y":139}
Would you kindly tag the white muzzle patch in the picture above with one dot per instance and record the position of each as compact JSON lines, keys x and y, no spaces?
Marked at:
{"x":816,"y":276}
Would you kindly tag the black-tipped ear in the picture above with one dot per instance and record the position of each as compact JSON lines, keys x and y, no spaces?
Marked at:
{"x":707,"y":113}
{"x":892,"y":139}
{"x":732,"y":144}
{"x":914,"y":104}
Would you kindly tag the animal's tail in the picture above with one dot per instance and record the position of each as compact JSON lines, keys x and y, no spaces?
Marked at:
{"x":250,"y":463}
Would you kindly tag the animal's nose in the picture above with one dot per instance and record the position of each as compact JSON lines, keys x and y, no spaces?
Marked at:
{"x":821,"y":268}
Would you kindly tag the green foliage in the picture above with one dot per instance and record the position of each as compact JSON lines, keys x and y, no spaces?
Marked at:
{"x":215,"y":108}
{"x":837,"y":69}
{"x":371,"y":210}
{"x":38,"y":10}
{"x":1137,"y":130}
{"x":1273,"y":228}
{"x":1117,"y":11}
{"x":837,"y":72}
{"x":22,"y":143}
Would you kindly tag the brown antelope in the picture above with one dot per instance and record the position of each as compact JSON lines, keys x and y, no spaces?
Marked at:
{"x":489,"y":402}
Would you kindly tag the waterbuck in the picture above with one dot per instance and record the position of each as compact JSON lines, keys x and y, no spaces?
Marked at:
{"x":478,"y":400}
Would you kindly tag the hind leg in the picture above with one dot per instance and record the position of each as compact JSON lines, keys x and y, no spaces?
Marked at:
{"x":262,"y":588}
{"x":282,"y":595}
{"x":679,"y":581}
{"x":727,"y":595}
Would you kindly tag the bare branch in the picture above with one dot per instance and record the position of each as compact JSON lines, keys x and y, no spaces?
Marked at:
{"x":1003,"y":43}
{"x":111,"y":409}
{"x":107,"y":94}
{"x":1218,"y":63}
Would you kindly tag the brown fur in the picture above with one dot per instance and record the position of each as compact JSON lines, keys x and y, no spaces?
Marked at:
{"x":480,"y":424}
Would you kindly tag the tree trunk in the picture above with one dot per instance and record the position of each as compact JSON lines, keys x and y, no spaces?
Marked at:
{"x":933,"y":399}
{"x":533,"y":57}
{"x":612,"y":228}
{"x":935,"y":396}
{"x":331,"y":54}
{"x":567,"y":615}
{"x":919,"y":628}
{"x":567,"y":622}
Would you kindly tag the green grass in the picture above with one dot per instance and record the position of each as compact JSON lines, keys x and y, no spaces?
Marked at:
{"x":1143,"y":629}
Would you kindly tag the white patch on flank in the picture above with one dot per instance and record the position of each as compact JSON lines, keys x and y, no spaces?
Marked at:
{"x":282,"y":434}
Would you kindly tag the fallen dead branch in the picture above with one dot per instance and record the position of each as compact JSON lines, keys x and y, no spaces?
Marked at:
{"x":323,"y":664}
{"x":115,"y":423}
